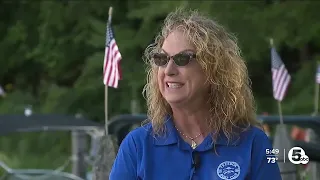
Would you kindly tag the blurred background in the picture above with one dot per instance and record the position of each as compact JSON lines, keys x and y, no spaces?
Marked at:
{"x":52,"y":52}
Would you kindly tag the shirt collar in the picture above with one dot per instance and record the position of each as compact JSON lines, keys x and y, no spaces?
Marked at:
{"x":171,"y":136}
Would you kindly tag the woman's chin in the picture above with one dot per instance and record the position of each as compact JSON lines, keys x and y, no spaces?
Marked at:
{"x":176,"y":101}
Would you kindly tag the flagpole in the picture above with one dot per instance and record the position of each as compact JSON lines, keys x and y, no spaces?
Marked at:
{"x":316,"y":99}
{"x":280,"y":112}
{"x":316,"y":96}
{"x":106,"y":88}
{"x":2,"y":92}
{"x":279,"y":102}
{"x":282,"y":139}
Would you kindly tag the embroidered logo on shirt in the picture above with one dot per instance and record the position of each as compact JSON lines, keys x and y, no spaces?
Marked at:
{"x":228,"y":170}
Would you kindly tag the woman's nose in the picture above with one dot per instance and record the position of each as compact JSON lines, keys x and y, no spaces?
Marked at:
{"x":171,"y":69}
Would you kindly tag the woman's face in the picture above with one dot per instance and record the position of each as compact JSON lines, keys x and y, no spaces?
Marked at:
{"x":183,"y":84}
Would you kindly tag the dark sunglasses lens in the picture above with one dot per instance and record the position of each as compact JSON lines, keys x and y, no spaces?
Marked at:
{"x":182,"y":59}
{"x":160,"y":59}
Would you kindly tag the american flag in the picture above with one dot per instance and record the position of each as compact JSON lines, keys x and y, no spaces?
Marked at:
{"x":112,"y":58}
{"x":280,"y":76}
{"x":318,"y":75}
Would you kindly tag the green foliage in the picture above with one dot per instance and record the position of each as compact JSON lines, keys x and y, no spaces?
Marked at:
{"x":52,"y":53}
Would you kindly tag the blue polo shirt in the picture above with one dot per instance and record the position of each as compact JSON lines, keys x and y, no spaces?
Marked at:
{"x":145,"y":157}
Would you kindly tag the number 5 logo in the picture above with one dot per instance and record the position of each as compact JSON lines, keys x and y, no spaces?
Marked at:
{"x":297,"y":155}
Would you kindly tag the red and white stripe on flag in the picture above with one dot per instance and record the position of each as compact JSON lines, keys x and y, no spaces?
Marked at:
{"x":111,"y":66}
{"x":280,"y":76}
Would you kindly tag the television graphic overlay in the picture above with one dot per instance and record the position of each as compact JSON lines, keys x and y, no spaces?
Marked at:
{"x":297,"y":155}
{"x":272,"y":155}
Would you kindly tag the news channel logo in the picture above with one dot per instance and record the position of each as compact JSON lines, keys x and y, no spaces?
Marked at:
{"x":296,"y":155}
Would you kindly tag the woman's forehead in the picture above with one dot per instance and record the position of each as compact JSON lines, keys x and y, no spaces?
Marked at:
{"x":176,"y":42}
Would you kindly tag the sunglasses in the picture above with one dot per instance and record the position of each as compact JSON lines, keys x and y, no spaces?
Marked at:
{"x":180,"y":59}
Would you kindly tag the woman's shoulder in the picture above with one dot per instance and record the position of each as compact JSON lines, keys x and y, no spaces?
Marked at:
{"x":256,"y":136}
{"x":255,"y":132}
{"x":138,"y":135}
{"x":244,"y":136}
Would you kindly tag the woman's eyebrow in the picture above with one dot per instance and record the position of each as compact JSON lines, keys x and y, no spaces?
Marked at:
{"x":186,"y":50}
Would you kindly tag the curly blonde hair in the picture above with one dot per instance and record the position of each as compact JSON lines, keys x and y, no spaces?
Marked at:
{"x":231,"y":99}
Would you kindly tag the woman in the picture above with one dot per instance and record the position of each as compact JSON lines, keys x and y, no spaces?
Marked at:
{"x":200,"y":107}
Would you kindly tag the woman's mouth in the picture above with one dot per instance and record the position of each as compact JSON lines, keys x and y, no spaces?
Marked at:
{"x":174,"y":85}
